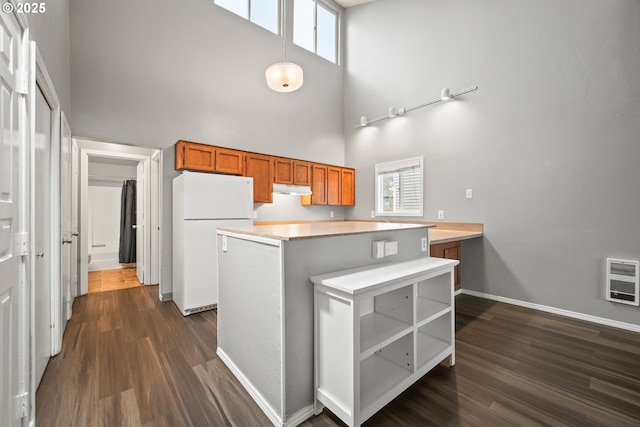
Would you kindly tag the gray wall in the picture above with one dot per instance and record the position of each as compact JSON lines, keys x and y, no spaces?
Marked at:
{"x":151,"y":72}
{"x":50,"y":31}
{"x":549,"y":143}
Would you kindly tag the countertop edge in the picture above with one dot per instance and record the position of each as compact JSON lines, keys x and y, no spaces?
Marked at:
{"x":445,"y":236}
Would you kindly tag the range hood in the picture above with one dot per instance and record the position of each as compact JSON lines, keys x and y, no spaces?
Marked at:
{"x":296,"y":190}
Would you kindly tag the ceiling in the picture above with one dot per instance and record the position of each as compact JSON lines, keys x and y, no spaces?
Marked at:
{"x":349,"y":3}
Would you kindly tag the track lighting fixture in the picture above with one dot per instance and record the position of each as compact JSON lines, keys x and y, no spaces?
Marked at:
{"x":445,"y":94}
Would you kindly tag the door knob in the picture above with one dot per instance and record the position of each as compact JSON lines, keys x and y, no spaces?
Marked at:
{"x":134,"y":226}
{"x":67,"y":242}
{"x":40,"y":254}
{"x":74,"y":234}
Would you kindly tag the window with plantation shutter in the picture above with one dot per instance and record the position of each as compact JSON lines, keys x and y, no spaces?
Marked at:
{"x":399,"y":188}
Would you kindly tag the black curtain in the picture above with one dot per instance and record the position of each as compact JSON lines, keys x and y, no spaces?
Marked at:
{"x":127,"y":222}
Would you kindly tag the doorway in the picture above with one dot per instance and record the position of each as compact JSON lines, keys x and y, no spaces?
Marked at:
{"x":103,"y":167}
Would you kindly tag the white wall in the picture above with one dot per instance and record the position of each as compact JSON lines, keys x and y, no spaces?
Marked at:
{"x":151,"y":72}
{"x":50,"y":31}
{"x":105,"y":192}
{"x":549,"y":142}
{"x":104,"y":219}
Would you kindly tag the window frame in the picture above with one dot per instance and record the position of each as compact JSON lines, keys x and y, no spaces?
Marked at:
{"x":397,"y":166}
{"x":337,"y":33}
{"x":278,"y":24}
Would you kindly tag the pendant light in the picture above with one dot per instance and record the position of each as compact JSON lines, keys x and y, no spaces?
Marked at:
{"x":284,"y":76}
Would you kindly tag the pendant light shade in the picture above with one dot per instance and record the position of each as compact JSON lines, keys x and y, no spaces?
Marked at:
{"x":284,"y":76}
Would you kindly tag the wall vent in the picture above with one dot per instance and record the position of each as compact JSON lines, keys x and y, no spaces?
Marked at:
{"x":622,"y":281}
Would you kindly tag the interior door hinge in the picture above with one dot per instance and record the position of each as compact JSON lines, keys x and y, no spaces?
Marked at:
{"x":22,"y":82}
{"x":21,"y":405}
{"x":21,"y":244}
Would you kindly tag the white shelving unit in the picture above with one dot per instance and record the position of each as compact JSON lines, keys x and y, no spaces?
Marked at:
{"x":378,"y":329}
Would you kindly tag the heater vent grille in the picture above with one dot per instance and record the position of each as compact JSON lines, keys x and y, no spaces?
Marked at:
{"x":622,"y":281}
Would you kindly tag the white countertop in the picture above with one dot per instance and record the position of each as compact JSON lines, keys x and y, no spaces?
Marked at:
{"x":309,"y":230}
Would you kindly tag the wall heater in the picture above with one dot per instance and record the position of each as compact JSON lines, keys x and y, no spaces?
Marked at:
{"x":622,"y":281}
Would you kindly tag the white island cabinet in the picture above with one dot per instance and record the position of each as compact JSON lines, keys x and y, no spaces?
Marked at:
{"x":265,"y":301}
{"x":378,"y":329}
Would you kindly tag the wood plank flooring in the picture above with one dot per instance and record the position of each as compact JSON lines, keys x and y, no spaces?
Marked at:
{"x":131,"y":360}
{"x":112,"y":280}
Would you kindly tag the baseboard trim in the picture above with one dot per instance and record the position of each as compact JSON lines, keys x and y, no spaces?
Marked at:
{"x":253,"y":392}
{"x":299,"y":417}
{"x":567,"y":313}
{"x":294,"y":420}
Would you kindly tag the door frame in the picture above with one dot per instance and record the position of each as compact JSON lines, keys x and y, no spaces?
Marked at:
{"x":90,"y":148}
{"x":65,"y":310}
{"x":43,"y":82}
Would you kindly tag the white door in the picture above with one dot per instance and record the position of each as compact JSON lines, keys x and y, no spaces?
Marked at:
{"x":140,"y":222}
{"x":42,"y":234}
{"x":12,"y":281}
{"x":65,"y":225}
{"x":75,"y":247}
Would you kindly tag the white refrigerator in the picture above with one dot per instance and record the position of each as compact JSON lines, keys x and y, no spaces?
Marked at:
{"x":202,"y":202}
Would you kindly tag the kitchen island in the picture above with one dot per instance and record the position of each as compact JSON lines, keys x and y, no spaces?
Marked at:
{"x":265,"y":308}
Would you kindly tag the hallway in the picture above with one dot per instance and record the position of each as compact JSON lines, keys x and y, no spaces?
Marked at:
{"x":130,"y":360}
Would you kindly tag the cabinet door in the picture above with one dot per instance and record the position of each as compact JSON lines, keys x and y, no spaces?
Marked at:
{"x":453,"y":252}
{"x":260,"y":168}
{"x":195,"y":157}
{"x":334,"y":185}
{"x":319,"y":184}
{"x":449,"y":250}
{"x":301,"y":173}
{"x":283,"y":170}
{"x":348,"y":187}
{"x":229,"y":161}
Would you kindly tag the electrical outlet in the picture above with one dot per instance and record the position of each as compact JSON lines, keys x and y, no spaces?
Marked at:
{"x":373,"y":214}
{"x":331,"y":214}
{"x":440,"y":214}
{"x":390,"y":248}
{"x":469,"y":193}
{"x":255,"y":214}
{"x":423,"y":244}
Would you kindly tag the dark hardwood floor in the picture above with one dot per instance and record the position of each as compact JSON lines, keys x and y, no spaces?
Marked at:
{"x":130,"y":360}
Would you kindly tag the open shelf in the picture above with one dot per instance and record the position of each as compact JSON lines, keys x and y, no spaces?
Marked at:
{"x":403,"y":323}
{"x":378,"y":330}
{"x":377,"y":376}
{"x":427,"y":310}
{"x":429,"y":347}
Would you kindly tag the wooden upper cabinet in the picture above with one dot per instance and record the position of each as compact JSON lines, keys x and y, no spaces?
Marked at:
{"x":348,"y":183}
{"x":318,"y":184}
{"x":301,"y":173}
{"x":283,"y":170}
{"x":260,"y":168}
{"x":331,"y":185}
{"x":229,"y":161}
{"x":207,"y":158}
{"x":334,"y":185}
{"x":195,"y":157}
{"x":290,"y":171}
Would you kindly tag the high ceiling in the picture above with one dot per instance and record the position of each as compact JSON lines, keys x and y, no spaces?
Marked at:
{"x":349,"y":3}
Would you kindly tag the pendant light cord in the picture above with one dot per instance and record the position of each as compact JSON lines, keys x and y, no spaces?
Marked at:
{"x":284,"y":29}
